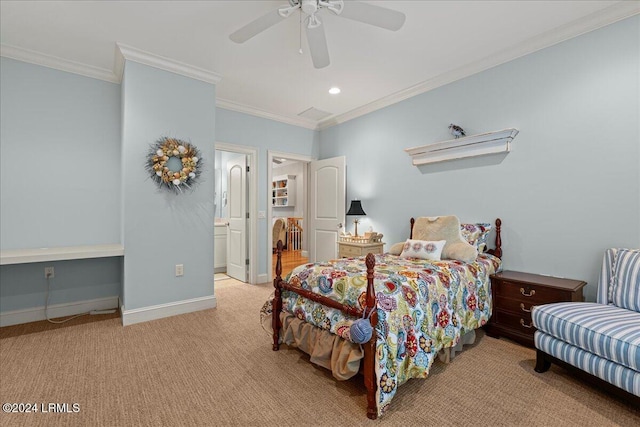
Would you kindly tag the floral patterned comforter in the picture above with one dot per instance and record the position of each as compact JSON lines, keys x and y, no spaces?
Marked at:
{"x":423,"y":306}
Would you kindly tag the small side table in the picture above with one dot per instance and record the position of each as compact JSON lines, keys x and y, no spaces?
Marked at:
{"x":353,"y":249}
{"x":514,"y":293}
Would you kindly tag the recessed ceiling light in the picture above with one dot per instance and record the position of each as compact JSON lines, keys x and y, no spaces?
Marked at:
{"x":334,"y":90}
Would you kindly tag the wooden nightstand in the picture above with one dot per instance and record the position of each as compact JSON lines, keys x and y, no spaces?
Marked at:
{"x":352,"y":249}
{"x":514,"y":294}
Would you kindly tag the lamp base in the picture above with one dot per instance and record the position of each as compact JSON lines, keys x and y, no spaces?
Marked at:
{"x":356,"y":221}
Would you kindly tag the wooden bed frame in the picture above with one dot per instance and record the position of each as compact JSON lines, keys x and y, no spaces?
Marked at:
{"x":368,"y":367}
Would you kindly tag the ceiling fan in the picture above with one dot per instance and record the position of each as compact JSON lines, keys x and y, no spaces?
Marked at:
{"x":355,"y":10}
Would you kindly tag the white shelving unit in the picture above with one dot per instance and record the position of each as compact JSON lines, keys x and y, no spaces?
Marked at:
{"x":468,"y":146}
{"x":283,"y":191}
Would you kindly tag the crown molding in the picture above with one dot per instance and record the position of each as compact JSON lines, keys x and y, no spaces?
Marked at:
{"x":50,"y":61}
{"x":610,"y":15}
{"x":241,"y":108}
{"x":123,"y":52}
{"x":129,"y":53}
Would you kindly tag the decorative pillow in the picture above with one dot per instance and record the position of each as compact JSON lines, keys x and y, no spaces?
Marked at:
{"x":476,"y":234}
{"x":626,"y":279}
{"x":396,"y":248}
{"x":445,"y":228}
{"x":423,"y":249}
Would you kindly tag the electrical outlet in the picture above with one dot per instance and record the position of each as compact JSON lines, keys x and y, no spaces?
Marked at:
{"x":179,"y":270}
{"x":49,"y":273}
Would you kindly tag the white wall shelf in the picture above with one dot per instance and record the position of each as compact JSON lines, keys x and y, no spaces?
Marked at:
{"x":23,"y":256}
{"x":468,"y":146}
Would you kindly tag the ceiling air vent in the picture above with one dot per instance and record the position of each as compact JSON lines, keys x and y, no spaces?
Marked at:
{"x":314,"y":114}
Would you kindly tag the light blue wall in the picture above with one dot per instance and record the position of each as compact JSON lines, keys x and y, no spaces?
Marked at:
{"x":264,"y":135}
{"x":162,"y":229}
{"x":59,"y":158}
{"x":59,"y":181}
{"x":569,"y":189}
{"x":23,"y":286}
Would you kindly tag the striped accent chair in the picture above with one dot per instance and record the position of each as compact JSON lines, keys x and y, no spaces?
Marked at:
{"x":601,"y":338}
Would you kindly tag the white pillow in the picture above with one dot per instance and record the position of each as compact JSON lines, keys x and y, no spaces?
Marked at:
{"x":423,"y":249}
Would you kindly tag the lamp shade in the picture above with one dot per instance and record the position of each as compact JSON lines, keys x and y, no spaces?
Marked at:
{"x":356,"y":208}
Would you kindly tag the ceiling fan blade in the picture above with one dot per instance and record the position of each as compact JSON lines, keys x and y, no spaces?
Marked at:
{"x":257,"y":26}
{"x":318,"y":46}
{"x":373,"y":15}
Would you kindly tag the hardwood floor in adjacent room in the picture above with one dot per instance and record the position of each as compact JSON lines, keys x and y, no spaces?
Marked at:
{"x":290,"y":260}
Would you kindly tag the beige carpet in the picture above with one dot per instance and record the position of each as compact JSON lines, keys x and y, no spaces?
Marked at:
{"x":216,"y":368}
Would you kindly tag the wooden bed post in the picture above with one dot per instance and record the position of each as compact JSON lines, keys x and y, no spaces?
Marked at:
{"x":370,"y":380}
{"x":276,"y":304}
{"x":498,"y":250}
{"x":412,"y":221}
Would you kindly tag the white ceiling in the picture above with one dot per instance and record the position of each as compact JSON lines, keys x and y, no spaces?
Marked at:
{"x":441,"y":41}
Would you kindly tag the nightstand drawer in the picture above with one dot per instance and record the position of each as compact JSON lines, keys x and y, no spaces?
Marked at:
{"x":353,"y":250}
{"x":350,"y":251}
{"x":529,"y":292}
{"x":514,"y":305}
{"x":520,"y":323}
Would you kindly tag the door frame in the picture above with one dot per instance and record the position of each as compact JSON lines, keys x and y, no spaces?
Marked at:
{"x":252,"y":205}
{"x":289,"y":156}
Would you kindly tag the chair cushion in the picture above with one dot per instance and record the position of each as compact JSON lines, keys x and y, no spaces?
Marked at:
{"x":614,"y":373}
{"x":625,"y":281}
{"x":605,"y":330}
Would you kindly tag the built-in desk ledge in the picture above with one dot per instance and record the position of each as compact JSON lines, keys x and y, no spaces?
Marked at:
{"x":23,"y":256}
{"x":468,"y":146}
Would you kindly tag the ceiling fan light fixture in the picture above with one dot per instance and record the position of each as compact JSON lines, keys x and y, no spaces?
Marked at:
{"x":355,"y":10}
{"x":334,"y":6}
{"x":313,"y":21}
{"x":309,"y":6}
{"x":334,"y":90}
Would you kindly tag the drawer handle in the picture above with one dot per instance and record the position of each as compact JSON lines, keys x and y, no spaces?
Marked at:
{"x":530,"y":294}
{"x":530,"y":325}
{"x":524,"y":309}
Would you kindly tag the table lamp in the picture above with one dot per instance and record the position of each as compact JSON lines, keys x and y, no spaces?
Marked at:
{"x":356,"y":210}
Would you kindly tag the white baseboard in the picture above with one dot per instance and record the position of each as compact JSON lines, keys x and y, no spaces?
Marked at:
{"x":35,"y":314}
{"x":144,"y":314}
{"x":262,"y":278}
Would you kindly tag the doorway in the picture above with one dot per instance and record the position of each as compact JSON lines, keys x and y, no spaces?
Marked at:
{"x":324,"y":208}
{"x":235,"y":238}
{"x":287,"y":217}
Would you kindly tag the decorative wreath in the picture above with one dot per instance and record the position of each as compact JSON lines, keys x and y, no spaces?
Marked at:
{"x":172,"y":164}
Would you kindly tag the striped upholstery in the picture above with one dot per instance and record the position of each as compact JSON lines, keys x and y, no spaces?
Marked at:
{"x":606,"y":273}
{"x":625,"y":286}
{"x":604,"y":369}
{"x":600,"y":338}
{"x":604,"y":330}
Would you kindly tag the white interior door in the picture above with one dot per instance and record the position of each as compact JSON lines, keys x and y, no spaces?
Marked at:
{"x":327,"y":184}
{"x":237,"y":208}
